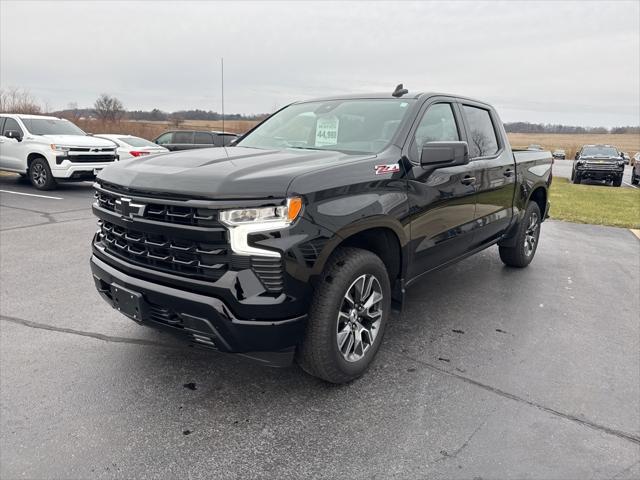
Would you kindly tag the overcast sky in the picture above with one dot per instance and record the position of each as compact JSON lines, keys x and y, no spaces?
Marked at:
{"x":552,"y":62}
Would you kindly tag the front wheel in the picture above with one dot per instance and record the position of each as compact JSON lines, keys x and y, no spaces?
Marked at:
{"x":40,"y":175}
{"x":634,"y":180}
{"x":526,"y":241}
{"x":576,"y":178}
{"x":618,"y":181}
{"x":347,"y":318}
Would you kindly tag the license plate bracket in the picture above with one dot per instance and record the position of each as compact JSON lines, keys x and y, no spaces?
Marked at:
{"x":128,"y":302}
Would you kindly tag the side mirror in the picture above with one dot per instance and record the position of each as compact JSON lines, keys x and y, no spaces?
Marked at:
{"x":444,"y":154}
{"x":13,"y":134}
{"x":577,"y":155}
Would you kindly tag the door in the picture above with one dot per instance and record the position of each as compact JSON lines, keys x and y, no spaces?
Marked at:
{"x":441,"y":202}
{"x":495,"y":173}
{"x":12,"y":154}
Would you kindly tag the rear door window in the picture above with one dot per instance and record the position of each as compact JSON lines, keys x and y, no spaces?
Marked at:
{"x":203,"y":138}
{"x":482,"y":138}
{"x":182,"y":137}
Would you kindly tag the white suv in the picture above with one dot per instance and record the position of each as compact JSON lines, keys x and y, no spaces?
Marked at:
{"x":49,"y":149}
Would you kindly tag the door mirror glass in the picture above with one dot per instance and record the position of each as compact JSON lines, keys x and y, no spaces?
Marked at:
{"x":444,"y":154}
{"x":13,"y":134}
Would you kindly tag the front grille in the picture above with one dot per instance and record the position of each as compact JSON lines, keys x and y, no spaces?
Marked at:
{"x":201,"y":217}
{"x":191,"y":243}
{"x":601,"y":166}
{"x":103,"y":157}
{"x":206,"y":261}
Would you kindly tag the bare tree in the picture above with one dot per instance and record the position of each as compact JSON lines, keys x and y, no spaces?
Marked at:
{"x":73,"y":114}
{"x":108,"y":108}
{"x":18,"y":100}
{"x":176,"y":120}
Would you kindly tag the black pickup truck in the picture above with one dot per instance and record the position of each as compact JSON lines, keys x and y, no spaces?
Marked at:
{"x":300,"y":239}
{"x":598,"y":162}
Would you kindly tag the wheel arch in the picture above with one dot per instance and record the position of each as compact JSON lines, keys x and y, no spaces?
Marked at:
{"x":386,"y":239}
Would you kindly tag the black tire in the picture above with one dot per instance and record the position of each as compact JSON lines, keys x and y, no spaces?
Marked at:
{"x":577,"y":178}
{"x":521,"y":254}
{"x":319,"y":354}
{"x":634,"y":179}
{"x":617,"y":182}
{"x":40,"y":175}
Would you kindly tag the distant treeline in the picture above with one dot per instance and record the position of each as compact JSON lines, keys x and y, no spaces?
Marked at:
{"x":526,"y":127}
{"x":159,"y":115}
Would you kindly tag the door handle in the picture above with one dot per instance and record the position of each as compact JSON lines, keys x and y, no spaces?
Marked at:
{"x":508,"y":173}
{"x":468,"y":180}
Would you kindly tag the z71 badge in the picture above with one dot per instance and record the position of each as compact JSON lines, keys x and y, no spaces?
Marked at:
{"x":382,"y":169}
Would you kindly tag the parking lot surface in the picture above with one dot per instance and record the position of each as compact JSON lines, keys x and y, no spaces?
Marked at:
{"x":489,"y":372}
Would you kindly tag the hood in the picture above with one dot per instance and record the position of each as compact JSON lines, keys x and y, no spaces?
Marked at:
{"x":221,"y":173}
{"x":78,"y":141}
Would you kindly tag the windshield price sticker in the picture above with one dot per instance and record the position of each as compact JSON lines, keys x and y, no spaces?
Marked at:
{"x":327,"y":131}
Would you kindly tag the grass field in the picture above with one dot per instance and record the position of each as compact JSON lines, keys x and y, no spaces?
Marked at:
{"x":627,"y":142}
{"x":594,"y":204}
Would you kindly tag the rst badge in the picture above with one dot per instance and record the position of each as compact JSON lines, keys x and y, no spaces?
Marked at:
{"x":383,"y":169}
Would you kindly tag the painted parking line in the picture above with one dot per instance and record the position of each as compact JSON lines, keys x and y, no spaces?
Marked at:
{"x":629,"y":185}
{"x":32,"y":195}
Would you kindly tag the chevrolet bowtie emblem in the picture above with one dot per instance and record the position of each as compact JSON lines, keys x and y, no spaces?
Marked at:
{"x":128,"y":209}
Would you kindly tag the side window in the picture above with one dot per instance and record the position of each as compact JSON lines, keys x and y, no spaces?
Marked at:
{"x":182,"y":137}
{"x":164,"y":139}
{"x":438,"y":124}
{"x":11,"y":124}
{"x":203,"y":138}
{"x":482,"y":136}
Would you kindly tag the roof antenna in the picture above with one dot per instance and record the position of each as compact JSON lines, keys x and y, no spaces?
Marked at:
{"x":400,"y":91}
{"x":222,"y":85}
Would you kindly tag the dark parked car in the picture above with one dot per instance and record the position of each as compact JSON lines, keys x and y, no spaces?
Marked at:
{"x":301,"y":238}
{"x":190,"y":139}
{"x":635,"y":171}
{"x":598,"y":162}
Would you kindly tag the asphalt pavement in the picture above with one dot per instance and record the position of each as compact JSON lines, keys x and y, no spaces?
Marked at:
{"x":489,"y":372}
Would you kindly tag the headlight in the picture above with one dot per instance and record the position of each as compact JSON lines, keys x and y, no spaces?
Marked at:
{"x":621,"y":163}
{"x":245,"y":221}
{"x":59,"y":148}
{"x":268,"y":215}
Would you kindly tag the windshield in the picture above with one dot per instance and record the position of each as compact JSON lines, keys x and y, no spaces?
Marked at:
{"x":349,"y":126}
{"x":137,"y":142}
{"x":600,"y":151}
{"x":51,"y":126}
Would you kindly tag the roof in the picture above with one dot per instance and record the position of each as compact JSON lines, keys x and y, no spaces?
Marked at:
{"x":21,"y":115}
{"x":388,"y":95}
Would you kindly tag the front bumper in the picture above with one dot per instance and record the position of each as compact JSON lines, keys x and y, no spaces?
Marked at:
{"x":600,"y":174}
{"x":73,"y":171}
{"x":200,"y":319}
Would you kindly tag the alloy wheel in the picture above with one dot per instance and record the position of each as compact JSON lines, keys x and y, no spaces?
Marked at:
{"x":531,"y":234}
{"x":39,"y":174}
{"x":359,"y":317}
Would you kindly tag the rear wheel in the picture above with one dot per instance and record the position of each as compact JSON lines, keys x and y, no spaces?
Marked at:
{"x":40,"y":175}
{"x":347,"y":318}
{"x":526,"y":241}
